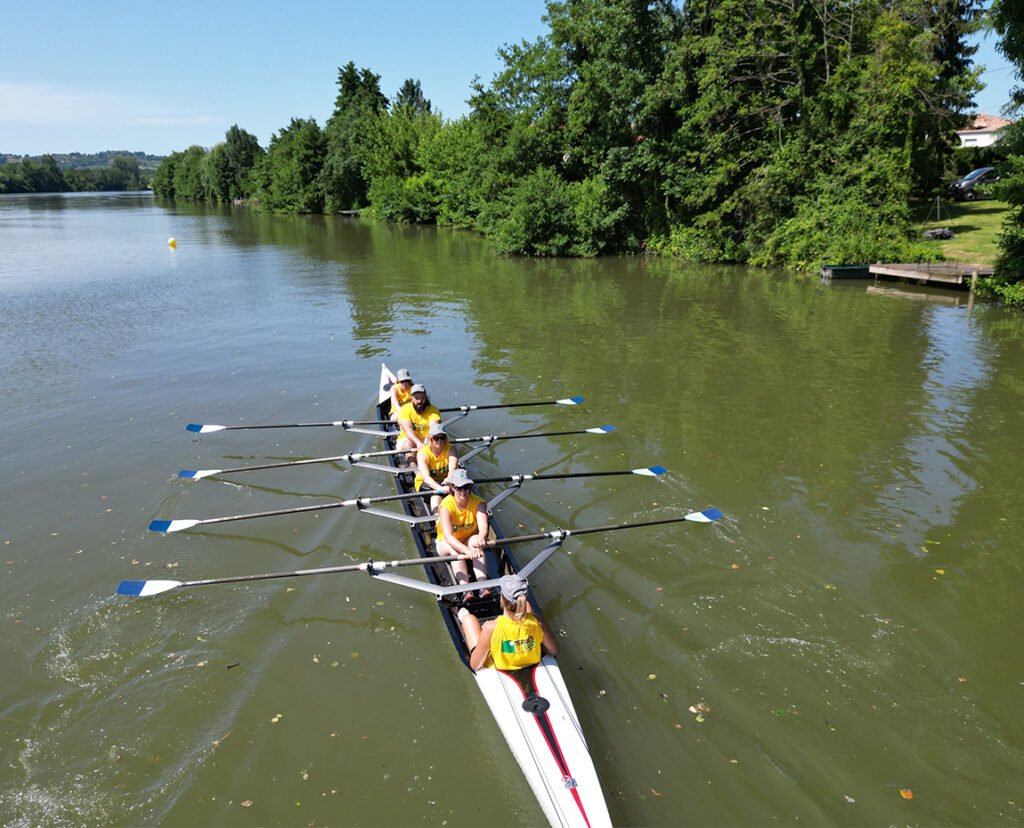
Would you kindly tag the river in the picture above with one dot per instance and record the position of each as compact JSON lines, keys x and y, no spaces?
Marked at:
{"x":850,"y":628}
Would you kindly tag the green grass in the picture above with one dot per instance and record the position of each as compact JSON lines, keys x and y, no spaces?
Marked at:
{"x":976,"y":225}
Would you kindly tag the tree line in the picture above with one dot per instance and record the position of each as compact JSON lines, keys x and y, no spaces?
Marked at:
{"x":769,"y":132}
{"x":44,"y":175}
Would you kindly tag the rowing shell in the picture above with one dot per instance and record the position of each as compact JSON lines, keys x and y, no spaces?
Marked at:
{"x":531,"y":706}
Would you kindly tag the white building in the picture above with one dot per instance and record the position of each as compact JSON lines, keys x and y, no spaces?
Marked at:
{"x":983,"y":131}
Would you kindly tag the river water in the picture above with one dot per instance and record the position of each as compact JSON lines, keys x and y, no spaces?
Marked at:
{"x":850,"y":629}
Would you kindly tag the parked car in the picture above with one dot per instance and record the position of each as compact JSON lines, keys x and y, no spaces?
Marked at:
{"x":965,"y":189}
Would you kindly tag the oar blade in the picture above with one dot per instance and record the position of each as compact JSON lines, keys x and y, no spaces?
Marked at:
{"x":601,"y":429}
{"x":145,"y":588}
{"x":707,"y":516}
{"x":198,"y":474}
{"x":570,"y":401}
{"x":199,"y":428}
{"x":650,"y":471}
{"x":171,"y":525}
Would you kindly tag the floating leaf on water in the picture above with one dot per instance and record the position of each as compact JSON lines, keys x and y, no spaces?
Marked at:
{"x":699,"y":719}
{"x":765,"y":509}
{"x":940,"y":571}
{"x":962,"y":678}
{"x":735,"y":566}
{"x":246,"y":804}
{"x":849,"y":798}
{"x":316,"y":658}
{"x":693,"y":709}
{"x":355,"y":655}
{"x":655,"y":792}
{"x":906,"y":793}
{"x":276,"y":718}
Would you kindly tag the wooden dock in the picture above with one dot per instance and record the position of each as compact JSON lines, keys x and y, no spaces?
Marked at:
{"x":937,"y":273}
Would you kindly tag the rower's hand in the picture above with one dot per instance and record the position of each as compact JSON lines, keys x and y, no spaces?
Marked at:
{"x":476,"y":547}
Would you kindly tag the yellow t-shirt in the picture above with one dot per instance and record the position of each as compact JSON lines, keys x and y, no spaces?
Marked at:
{"x":420,"y":421}
{"x":403,"y":397}
{"x":437,"y":464}
{"x":516,"y":645}
{"x":464,"y":524}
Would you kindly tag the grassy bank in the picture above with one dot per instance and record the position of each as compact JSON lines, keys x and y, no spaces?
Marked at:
{"x":975,"y":224}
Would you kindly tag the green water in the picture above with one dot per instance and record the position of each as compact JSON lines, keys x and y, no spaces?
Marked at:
{"x":850,"y":627}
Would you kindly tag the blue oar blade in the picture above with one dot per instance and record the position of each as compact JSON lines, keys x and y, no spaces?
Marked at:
{"x":199,"y":428}
{"x":707,"y":516}
{"x":171,"y":525}
{"x":144,"y":588}
{"x":570,"y":401}
{"x":651,"y":471}
{"x":601,"y":429}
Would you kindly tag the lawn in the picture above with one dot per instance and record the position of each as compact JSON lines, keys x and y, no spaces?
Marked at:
{"x":975,"y":224}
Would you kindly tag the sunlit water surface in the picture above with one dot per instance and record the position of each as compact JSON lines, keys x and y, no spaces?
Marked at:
{"x":850,"y":628}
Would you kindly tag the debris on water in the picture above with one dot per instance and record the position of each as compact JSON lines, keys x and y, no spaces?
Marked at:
{"x":652,"y":676}
{"x":962,"y":678}
{"x":276,"y":719}
{"x":849,"y":798}
{"x":246,"y":804}
{"x":735,"y":566}
{"x":316,"y":658}
{"x":906,"y":793}
{"x":655,"y":792}
{"x":940,"y":571}
{"x":765,"y":509}
{"x":235,"y":664}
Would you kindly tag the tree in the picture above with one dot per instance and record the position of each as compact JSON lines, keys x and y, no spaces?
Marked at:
{"x":288,"y":175}
{"x":410,"y":98}
{"x":357,"y":106}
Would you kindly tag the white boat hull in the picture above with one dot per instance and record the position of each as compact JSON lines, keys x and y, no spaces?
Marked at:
{"x":549,"y":747}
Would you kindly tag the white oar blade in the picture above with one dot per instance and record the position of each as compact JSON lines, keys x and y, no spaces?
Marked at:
{"x":601,"y":429}
{"x":171,"y":525}
{"x":707,"y":516}
{"x":198,"y":474}
{"x":650,"y":471}
{"x":144,"y":588}
{"x":570,"y":401}
{"x":198,"y":428}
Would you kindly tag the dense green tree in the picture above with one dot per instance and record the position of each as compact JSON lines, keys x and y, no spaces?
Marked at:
{"x":357,"y":107}
{"x":1008,"y":281}
{"x":410,"y":97}
{"x":288,"y":176}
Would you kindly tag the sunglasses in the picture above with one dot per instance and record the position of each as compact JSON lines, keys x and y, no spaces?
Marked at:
{"x":461,"y":488}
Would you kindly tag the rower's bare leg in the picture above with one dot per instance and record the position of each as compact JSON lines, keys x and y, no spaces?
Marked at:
{"x":405,"y":444}
{"x":470,"y":628}
{"x":459,"y":568}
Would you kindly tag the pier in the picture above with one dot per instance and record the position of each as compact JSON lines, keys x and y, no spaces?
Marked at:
{"x":935,"y":273}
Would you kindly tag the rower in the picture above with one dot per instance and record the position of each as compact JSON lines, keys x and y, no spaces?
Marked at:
{"x":400,"y":391}
{"x":435,"y":461}
{"x":414,"y":419}
{"x":515,"y":638}
{"x":462,"y":528}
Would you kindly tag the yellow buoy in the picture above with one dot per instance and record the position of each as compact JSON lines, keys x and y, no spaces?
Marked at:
{"x":171,"y":242}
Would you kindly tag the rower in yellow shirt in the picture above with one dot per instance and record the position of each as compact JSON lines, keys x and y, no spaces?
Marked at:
{"x":414,"y":419}
{"x":515,"y":639}
{"x":400,"y":391}
{"x":435,"y":461}
{"x":462,"y":527}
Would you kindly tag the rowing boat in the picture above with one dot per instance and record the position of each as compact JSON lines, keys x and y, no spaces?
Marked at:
{"x":532,"y":706}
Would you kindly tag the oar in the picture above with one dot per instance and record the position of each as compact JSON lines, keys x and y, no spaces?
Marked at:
{"x":200,"y":428}
{"x":707,"y":516}
{"x":361,"y":502}
{"x":145,"y":588}
{"x":197,"y":474}
{"x":649,"y":471}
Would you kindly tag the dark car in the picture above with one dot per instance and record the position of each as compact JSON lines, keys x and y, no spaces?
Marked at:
{"x":965,"y":189}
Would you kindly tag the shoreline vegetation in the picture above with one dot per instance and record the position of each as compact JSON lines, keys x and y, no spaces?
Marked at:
{"x":77,"y":172}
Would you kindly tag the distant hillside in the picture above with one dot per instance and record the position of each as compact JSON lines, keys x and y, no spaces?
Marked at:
{"x":81,"y":160}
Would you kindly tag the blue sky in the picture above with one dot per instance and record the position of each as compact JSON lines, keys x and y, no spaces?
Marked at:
{"x":158,"y":77}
